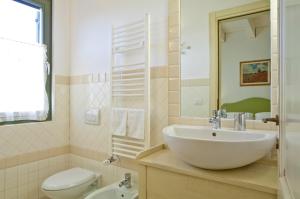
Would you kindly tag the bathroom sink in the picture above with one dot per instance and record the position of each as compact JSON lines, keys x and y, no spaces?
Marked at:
{"x":218,"y":149}
{"x":114,"y":192}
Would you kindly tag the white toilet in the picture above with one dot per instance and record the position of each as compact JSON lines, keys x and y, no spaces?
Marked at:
{"x":70,"y":184}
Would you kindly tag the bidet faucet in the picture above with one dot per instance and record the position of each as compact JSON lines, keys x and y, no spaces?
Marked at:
{"x":215,"y":120}
{"x":127,"y":181}
{"x":110,"y":160}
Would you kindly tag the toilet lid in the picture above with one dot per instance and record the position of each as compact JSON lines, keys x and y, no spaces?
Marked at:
{"x":68,"y":179}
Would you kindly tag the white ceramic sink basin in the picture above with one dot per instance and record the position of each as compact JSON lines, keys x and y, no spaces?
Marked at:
{"x":114,"y":192}
{"x":218,"y":149}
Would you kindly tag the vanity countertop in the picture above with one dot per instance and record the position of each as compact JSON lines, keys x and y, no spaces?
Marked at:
{"x":258,"y":176}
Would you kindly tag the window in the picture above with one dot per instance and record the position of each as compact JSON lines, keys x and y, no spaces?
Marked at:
{"x":25,"y":61}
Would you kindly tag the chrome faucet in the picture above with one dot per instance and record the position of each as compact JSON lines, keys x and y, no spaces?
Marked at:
{"x":127,"y":181}
{"x":240,"y":122}
{"x":215,"y":120}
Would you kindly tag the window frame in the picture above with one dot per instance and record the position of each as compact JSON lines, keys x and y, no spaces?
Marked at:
{"x":46,"y":6}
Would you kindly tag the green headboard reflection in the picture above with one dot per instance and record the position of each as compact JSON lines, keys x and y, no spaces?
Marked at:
{"x":251,"y":105}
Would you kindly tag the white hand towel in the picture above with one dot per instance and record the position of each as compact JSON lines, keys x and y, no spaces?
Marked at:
{"x":262,"y":115}
{"x":119,"y":121}
{"x":136,"y":123}
{"x":230,"y":115}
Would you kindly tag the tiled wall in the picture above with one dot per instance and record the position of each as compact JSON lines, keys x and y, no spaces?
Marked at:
{"x":89,"y":144}
{"x":159,"y":105}
{"x":88,"y":92}
{"x":109,"y":174}
{"x":174,"y":60}
{"x":24,"y":181}
{"x":274,"y":58}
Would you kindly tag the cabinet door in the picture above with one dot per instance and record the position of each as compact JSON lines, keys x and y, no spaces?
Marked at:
{"x":167,"y":185}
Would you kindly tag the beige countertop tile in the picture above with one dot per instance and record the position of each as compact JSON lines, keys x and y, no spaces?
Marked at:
{"x":257,"y":176}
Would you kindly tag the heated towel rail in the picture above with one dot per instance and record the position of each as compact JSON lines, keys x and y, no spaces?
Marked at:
{"x":130,"y":80}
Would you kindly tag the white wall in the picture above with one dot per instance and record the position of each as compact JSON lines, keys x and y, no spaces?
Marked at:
{"x":240,"y":47}
{"x":61,"y":37}
{"x":195,"y":32}
{"x":91,"y":31}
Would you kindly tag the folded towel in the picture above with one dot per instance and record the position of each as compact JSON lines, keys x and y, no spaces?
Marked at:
{"x":119,"y":121}
{"x":262,"y":115}
{"x":136,"y":123}
{"x":230,"y":115}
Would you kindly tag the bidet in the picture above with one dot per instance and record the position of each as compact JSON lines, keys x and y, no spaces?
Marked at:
{"x":114,"y":192}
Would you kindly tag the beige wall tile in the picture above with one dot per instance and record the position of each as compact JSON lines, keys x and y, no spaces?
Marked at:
{"x":110,"y":174}
{"x":159,"y":72}
{"x":97,"y":95}
{"x":174,"y":97}
{"x":174,"y":6}
{"x":174,"y":71}
{"x":80,"y":79}
{"x":159,"y":109}
{"x":24,"y":181}
{"x":174,"y":19}
{"x":174,"y":45}
{"x":29,"y":138}
{"x":60,"y":79}
{"x":174,"y":33}
{"x":173,"y":59}
{"x":174,"y":110}
{"x":174,"y":84}
{"x":26,"y":158}
{"x":84,"y":97}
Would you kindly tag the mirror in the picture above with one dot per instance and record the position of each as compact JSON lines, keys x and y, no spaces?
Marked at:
{"x":244,"y":65}
{"x":243,"y":62}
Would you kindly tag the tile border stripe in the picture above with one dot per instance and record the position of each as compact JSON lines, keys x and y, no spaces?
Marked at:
{"x":26,"y":158}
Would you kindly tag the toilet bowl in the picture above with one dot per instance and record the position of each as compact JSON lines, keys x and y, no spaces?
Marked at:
{"x":70,"y":184}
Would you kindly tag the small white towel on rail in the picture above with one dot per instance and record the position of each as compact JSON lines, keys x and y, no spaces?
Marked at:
{"x":136,"y":123}
{"x":262,"y":115}
{"x":119,"y":121}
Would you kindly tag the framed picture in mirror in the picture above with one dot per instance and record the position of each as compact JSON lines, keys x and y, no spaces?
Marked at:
{"x":255,"y":73}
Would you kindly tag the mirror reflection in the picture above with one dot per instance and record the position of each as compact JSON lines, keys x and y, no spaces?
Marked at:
{"x":243,"y":62}
{"x":244,"y":65}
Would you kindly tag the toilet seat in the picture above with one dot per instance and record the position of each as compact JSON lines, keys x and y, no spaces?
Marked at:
{"x":68,"y":179}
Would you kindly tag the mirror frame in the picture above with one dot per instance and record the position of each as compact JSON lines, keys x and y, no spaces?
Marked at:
{"x":174,"y":76}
